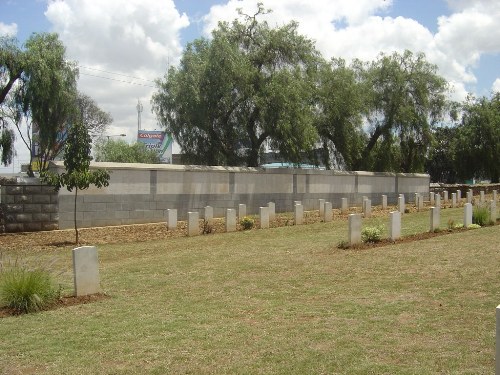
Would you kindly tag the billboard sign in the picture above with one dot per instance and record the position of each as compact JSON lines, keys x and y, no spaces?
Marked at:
{"x":159,"y":141}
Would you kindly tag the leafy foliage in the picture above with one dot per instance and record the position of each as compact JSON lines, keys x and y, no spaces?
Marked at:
{"x":372,"y":234}
{"x":26,"y":290}
{"x":77,"y":159}
{"x":119,"y":151}
{"x":481,"y":216}
{"x":248,"y":87}
{"x":247,"y":223}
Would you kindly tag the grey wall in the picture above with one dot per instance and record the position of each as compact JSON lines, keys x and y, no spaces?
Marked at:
{"x":140,"y":193}
{"x":28,"y":206}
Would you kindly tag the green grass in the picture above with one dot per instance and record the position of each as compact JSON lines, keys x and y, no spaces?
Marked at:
{"x":282,"y":300}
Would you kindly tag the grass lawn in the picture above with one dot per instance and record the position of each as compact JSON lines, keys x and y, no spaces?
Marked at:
{"x":282,"y":300}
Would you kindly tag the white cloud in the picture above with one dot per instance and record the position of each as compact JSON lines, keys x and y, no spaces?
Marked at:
{"x":8,"y":29}
{"x":362,"y":29}
{"x":136,"y":38}
{"x":496,"y":85}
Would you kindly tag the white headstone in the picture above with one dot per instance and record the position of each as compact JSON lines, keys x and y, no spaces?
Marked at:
{"x":453,"y":200}
{"x":264,"y":217}
{"x":493,"y":211}
{"x":445,"y":196}
{"x":193,"y":225}
{"x":328,"y":214}
{"x":242,"y":211}
{"x":459,"y":195}
{"x":230,"y":220}
{"x":495,"y":195}
{"x":299,"y":214}
{"x":344,"y":208}
{"x":417,"y":195}
{"x":171,"y":219}
{"x":384,"y":202}
{"x":354,"y":229}
{"x":86,"y":271}
{"x":432,"y":198}
{"x":321,"y":207}
{"x":469,"y":196}
{"x":435,"y":218}
{"x":467,"y":214}
{"x":272,"y":210}
{"x":420,"y":205}
{"x":437,"y":202}
{"x":367,"y":208}
{"x":395,"y":225}
{"x":401,"y":204}
{"x":297,"y":202}
{"x":481,"y":196}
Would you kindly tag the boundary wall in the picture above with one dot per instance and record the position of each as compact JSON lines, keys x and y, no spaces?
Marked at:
{"x":142,"y":193}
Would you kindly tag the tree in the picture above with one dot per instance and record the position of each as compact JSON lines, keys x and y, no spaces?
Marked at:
{"x":77,"y":173}
{"x":340,"y":107}
{"x":440,"y":163}
{"x":249,"y":87}
{"x":478,"y":139}
{"x":119,"y":151}
{"x":407,"y":99}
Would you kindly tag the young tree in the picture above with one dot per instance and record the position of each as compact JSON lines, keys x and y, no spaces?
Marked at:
{"x":249,"y":86}
{"x":119,"y":151}
{"x":407,"y":99}
{"x":77,"y":175}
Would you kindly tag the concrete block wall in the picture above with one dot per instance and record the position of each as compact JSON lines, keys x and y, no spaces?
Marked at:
{"x":141,"y":193}
{"x":28,"y":206}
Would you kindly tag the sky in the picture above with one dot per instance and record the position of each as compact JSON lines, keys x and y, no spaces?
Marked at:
{"x":123,"y":46}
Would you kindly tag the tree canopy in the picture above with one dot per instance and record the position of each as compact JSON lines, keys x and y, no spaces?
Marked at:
{"x":248,"y":87}
{"x":119,"y":151}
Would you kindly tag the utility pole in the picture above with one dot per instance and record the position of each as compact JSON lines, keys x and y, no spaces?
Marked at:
{"x":140,"y":108}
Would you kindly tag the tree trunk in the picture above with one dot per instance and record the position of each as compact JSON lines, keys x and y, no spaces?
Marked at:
{"x":74,"y":215}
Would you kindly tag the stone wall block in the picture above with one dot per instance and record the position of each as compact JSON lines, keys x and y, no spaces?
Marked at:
{"x":13,"y":208}
{"x":41,"y":199}
{"x":23,"y":198}
{"x":49,"y":208}
{"x":32,"y":208}
{"x":14,"y":227}
{"x":32,"y":227}
{"x":23,"y":218}
{"x":42,"y":217}
{"x":49,"y":226}
{"x":13,"y":190}
{"x":33,"y":189}
{"x":46,"y":189}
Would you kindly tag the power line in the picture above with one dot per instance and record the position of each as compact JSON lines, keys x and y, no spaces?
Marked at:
{"x":118,"y":80}
{"x":118,"y":74}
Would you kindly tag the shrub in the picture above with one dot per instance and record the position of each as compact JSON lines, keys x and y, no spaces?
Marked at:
{"x":207,"y":228}
{"x":481,"y":216}
{"x":25,"y":290}
{"x":343,"y":245}
{"x":372,"y":234}
{"x":247,"y":223}
{"x":473,"y":226}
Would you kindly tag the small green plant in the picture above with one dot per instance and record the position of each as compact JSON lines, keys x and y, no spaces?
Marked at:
{"x":247,"y":223}
{"x":458,"y":226}
{"x":343,"y":245}
{"x":481,"y":216}
{"x":451,"y":224}
{"x":473,"y":226}
{"x":27,"y":291}
{"x":372,"y":234}
{"x":207,"y":227}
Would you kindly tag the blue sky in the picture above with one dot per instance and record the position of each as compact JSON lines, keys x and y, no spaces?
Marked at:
{"x":139,"y":38}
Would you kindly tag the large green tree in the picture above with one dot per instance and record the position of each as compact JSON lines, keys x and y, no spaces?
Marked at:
{"x":477,"y":145}
{"x":249,"y":87}
{"x":77,"y":175}
{"x":119,"y":151}
{"x":340,"y":105}
{"x":407,"y":99}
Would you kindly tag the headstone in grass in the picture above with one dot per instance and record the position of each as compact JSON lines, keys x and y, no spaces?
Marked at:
{"x":193,"y":225}
{"x":494,"y":195}
{"x":437,"y":202}
{"x":171,"y":219}
{"x":467,"y":214}
{"x":272,"y":210}
{"x":493,"y":211}
{"x":435,"y":218}
{"x":230,"y":220}
{"x":344,"y":206}
{"x":401,"y":203}
{"x":297,"y":202}
{"x":328,"y":213}
{"x":299,"y":214}
{"x":395,"y":225}
{"x":354,"y":229}
{"x":420,"y":205}
{"x":445,"y":197}
{"x":242,"y":211}
{"x":481,"y":196}
{"x":453,"y":200}
{"x":86,"y":271}
{"x":459,"y":195}
{"x":264,"y":217}
{"x":384,"y":202}
{"x":432,"y":198}
{"x":321,"y":207}
{"x":367,"y":212}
